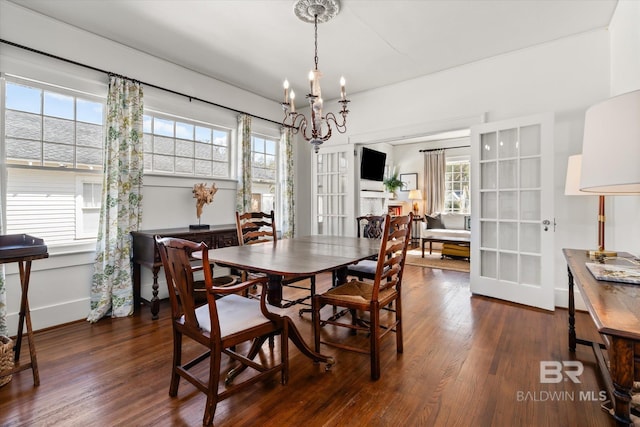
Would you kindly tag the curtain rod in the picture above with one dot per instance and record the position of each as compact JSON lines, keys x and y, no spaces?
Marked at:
{"x":191,"y":98}
{"x":443,"y":148}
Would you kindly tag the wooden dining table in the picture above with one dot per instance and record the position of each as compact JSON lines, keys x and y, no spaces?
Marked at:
{"x":300,"y":256}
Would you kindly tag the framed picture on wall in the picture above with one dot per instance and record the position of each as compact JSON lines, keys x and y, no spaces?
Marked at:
{"x":409,"y":181}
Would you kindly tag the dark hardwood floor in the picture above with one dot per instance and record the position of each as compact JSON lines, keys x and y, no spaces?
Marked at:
{"x":467,"y":361}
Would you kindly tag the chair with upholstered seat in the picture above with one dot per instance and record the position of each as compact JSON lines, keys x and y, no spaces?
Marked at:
{"x":223,"y":326}
{"x":370,"y":297}
{"x":369,"y":227}
{"x":260,"y":227}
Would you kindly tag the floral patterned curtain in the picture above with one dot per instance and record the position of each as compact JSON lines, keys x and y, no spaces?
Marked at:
{"x":121,"y":209}
{"x":286,"y":182}
{"x":3,"y":290}
{"x":243,"y":199}
{"x":434,"y":170}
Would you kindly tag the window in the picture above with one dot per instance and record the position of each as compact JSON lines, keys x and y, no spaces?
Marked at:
{"x":53,"y":137}
{"x":457,"y":195}
{"x":185,"y":147}
{"x":264,"y":169}
{"x":47,"y":127}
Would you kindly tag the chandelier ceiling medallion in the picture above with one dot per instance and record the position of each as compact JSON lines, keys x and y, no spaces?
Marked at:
{"x":315,"y":11}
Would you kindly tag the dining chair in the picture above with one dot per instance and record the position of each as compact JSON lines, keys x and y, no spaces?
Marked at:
{"x":370,"y":297}
{"x":222,"y":326}
{"x":369,"y":227}
{"x":260,"y":227}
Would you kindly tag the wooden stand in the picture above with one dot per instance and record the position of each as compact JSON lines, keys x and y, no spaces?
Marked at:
{"x":23,"y":249}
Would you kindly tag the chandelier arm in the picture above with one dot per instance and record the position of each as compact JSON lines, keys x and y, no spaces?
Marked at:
{"x":340,"y":127}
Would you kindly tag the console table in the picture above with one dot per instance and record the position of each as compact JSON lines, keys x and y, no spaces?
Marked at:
{"x":23,"y":249}
{"x":615,"y":310}
{"x":145,"y":253}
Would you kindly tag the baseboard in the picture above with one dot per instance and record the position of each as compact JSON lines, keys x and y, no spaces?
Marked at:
{"x":561,"y":298}
{"x":52,"y":315}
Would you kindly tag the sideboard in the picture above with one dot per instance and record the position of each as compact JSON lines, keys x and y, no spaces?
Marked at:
{"x":145,"y":253}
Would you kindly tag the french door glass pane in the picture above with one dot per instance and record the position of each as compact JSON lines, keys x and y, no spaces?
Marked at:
{"x":530,"y":173}
{"x":489,"y":234}
{"x":508,"y":205}
{"x":508,"y":143}
{"x":489,"y":205}
{"x":530,"y":269}
{"x":508,"y":235}
{"x":508,"y":267}
{"x":530,"y":238}
{"x":488,"y":264}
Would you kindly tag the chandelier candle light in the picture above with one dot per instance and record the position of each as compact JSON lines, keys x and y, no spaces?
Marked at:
{"x":315,"y":11}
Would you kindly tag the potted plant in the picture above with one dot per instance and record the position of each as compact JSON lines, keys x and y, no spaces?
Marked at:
{"x":392,"y":184}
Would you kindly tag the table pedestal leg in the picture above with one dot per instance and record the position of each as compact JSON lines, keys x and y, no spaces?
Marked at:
{"x":274,"y":290}
{"x":274,"y":297}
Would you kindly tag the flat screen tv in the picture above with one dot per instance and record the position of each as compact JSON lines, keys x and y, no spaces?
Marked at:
{"x":372,"y":164}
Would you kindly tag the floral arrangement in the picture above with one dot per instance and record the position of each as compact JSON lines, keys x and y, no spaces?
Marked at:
{"x":203,"y":195}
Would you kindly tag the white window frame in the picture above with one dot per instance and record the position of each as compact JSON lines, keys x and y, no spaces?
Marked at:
{"x":459,"y":160}
{"x":258,"y":183}
{"x":149,"y":152}
{"x":81,"y":209}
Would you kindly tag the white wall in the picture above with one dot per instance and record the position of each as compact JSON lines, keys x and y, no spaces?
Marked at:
{"x":60,"y":285}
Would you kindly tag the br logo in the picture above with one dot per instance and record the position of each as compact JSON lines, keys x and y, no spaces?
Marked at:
{"x":553,"y":372}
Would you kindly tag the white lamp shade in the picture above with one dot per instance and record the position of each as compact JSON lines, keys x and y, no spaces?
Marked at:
{"x":572,"y":182}
{"x":611,"y":146}
{"x":415,"y":195}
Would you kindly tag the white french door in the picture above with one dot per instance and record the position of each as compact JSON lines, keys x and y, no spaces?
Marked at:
{"x":333,"y":201}
{"x":512,"y":222}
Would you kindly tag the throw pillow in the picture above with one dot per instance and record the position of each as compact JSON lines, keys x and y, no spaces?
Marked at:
{"x":433,"y":221}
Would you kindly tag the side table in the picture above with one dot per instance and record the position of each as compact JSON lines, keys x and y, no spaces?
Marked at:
{"x":23,"y":249}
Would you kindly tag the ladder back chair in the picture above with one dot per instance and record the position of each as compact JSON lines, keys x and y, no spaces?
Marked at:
{"x":260,"y":227}
{"x":222,"y":326}
{"x":370,"y":297}
{"x":369,"y":227}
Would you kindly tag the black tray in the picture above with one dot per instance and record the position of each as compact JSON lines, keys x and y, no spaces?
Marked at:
{"x":21,"y":245}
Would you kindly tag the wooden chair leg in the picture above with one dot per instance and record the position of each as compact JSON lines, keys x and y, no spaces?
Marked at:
{"x":399,"y":338}
{"x":375,"y":342}
{"x":212,"y":389}
{"x":177,"y":361}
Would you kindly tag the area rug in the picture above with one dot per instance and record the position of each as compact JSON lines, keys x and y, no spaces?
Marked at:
{"x":414,"y":257}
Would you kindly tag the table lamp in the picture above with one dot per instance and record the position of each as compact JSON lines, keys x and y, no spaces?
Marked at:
{"x":415,"y":195}
{"x":611,"y":146}
{"x":572,"y":188}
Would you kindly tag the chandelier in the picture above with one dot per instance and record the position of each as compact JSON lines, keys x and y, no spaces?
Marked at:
{"x":319,"y":122}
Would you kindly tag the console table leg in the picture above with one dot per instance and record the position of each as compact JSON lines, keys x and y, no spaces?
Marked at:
{"x":572,"y":315}
{"x":621,"y":359}
{"x":155,"y":301}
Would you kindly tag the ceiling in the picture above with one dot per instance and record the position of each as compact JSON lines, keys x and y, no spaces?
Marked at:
{"x":256,"y":44}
